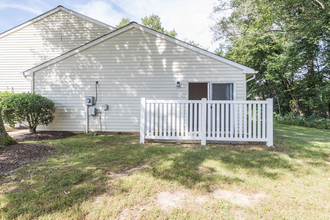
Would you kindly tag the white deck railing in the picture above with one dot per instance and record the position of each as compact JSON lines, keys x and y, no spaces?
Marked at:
{"x":207,"y":120}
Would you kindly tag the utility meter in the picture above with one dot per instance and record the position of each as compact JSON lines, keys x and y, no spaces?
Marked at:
{"x":92,"y":111}
{"x":89,"y":100}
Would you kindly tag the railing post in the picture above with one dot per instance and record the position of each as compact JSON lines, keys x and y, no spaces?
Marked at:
{"x":142,"y":120}
{"x":203,"y":136}
{"x":269,"y":122}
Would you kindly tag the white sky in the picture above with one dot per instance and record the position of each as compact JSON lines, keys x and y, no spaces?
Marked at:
{"x":189,"y":18}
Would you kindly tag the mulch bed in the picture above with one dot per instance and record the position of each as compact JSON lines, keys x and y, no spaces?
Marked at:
{"x":44,"y":135}
{"x":17,"y":155}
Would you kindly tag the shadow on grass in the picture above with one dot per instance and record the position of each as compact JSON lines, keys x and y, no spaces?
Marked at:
{"x":173,"y":163}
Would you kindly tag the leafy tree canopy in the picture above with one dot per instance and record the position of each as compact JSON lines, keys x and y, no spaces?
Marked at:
{"x":287,"y":41}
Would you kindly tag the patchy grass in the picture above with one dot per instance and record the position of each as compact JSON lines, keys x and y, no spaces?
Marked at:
{"x":113,"y":177}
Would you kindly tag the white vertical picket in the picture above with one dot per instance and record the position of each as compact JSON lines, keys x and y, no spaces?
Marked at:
{"x":165,"y":120}
{"x":269,"y":142}
{"x":186,"y":120}
{"x":156,"y":119}
{"x":236,"y":130}
{"x":143,"y":120}
{"x":161,"y":120}
{"x":152,"y":114}
{"x":254,"y":121}
{"x":209,"y":120}
{"x":177,"y":120}
{"x":245,"y":121}
{"x":241,"y":121}
{"x":182,"y":119}
{"x":213,"y":119}
{"x":190,"y":118}
{"x":199,"y":119}
{"x":195,"y":119}
{"x":203,"y":135}
{"x":218,"y":120}
{"x":169,"y":124}
{"x":263,"y":120}
{"x":231,"y":120}
{"x":222,"y":119}
{"x":227,"y":119}
{"x":148,"y":120}
{"x":250,"y":122}
{"x":259,"y":121}
{"x":173,"y":119}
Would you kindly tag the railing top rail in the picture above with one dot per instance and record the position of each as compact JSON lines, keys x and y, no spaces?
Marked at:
{"x":173,"y":101}
{"x":237,"y":102}
{"x":207,"y":101}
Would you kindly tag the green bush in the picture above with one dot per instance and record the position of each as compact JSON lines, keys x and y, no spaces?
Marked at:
{"x":311,"y":122}
{"x":30,"y":107}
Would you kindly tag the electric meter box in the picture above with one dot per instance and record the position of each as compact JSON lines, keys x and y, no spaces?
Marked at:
{"x":89,"y":100}
{"x":92,"y":111}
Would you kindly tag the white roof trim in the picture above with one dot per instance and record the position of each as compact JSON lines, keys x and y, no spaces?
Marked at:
{"x":59,"y":8}
{"x":246,"y":70}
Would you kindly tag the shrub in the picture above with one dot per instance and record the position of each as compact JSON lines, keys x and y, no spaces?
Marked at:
{"x":30,"y":107}
{"x":311,"y":122}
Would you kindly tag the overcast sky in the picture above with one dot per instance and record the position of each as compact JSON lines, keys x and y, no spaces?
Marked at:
{"x":189,"y":18}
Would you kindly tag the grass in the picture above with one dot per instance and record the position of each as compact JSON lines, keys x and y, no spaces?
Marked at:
{"x":290,"y":181}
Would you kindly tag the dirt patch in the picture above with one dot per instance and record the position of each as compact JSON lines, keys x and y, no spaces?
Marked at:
{"x":205,"y":169}
{"x":167,"y":200}
{"x":17,"y":155}
{"x":237,"y":198}
{"x":44,"y":135}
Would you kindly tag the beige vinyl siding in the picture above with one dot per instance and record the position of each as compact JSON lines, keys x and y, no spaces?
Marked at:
{"x":39,"y":42}
{"x":129,"y":66}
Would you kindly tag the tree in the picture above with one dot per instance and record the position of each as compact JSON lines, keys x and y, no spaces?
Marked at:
{"x":287,"y":41}
{"x":30,"y":107}
{"x":123,"y":22}
{"x":153,"y":22}
{"x":5,"y":139}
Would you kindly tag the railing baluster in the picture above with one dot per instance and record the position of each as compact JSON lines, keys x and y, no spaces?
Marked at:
{"x":250,"y":122}
{"x":227,"y":119}
{"x":182,"y":119}
{"x":241,"y":120}
{"x":173,"y":120}
{"x":263,"y":121}
{"x":231,"y":120}
{"x":213,"y":120}
{"x":161,"y":120}
{"x":156,"y":119}
{"x":195,"y":119}
{"x":245,"y":120}
{"x":199,"y":119}
{"x":218,"y":120}
{"x":190,"y":118}
{"x":186,"y":120}
{"x":222,"y":119}
{"x":148,"y":120}
{"x":177,"y":120}
{"x":259,"y":121}
{"x":254,"y":121}
{"x":169,"y":117}
{"x":209,"y":120}
{"x":152,"y":119}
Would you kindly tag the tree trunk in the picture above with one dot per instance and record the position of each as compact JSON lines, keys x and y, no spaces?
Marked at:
{"x":33,"y":129}
{"x":5,"y":139}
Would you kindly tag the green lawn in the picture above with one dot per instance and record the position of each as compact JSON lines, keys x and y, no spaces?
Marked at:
{"x":188,"y":181}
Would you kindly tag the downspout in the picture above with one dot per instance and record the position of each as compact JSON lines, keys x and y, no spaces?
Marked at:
{"x":253,"y":77}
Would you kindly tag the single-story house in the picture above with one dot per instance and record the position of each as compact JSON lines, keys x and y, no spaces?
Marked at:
{"x":124,"y":65}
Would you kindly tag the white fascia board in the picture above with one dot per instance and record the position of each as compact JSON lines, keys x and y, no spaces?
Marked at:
{"x":77,"y":50}
{"x":59,"y":8}
{"x":245,"y":69}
